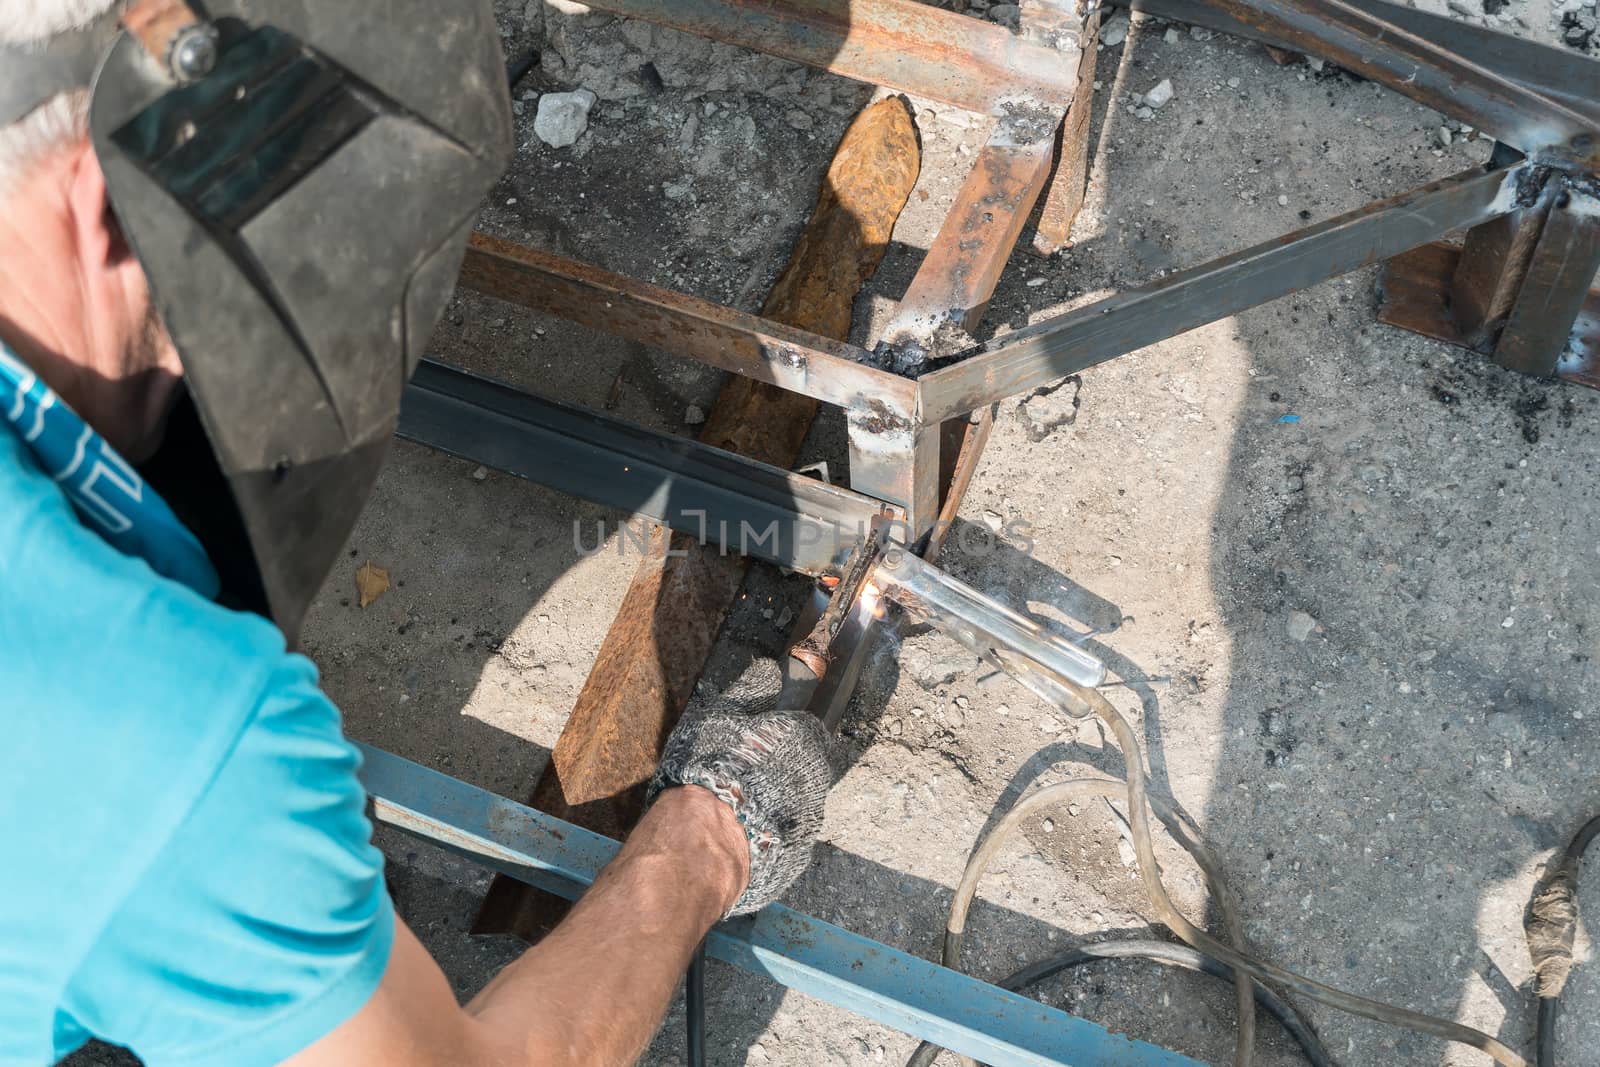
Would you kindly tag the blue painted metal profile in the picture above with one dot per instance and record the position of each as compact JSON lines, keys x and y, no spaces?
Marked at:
{"x":824,"y":961}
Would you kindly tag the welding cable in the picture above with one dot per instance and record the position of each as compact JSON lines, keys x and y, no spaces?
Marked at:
{"x":1164,"y":952}
{"x":1144,"y":847}
{"x":694,"y":1007}
{"x":1087,"y":789}
{"x":520,"y":68}
{"x":1551,"y":927}
{"x":1140,"y":804}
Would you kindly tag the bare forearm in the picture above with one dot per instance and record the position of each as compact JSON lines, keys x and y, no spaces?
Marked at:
{"x":593,"y":992}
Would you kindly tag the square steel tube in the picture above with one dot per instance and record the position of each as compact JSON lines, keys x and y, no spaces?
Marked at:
{"x":873,"y":980}
{"x":1427,"y":72}
{"x":801,"y":362}
{"x":902,"y":44}
{"x":1047,"y":351}
{"x":1556,"y":73}
{"x":719,"y":497}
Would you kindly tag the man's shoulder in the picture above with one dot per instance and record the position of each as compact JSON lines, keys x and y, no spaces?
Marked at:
{"x":123,"y":692}
{"x":69,"y":599}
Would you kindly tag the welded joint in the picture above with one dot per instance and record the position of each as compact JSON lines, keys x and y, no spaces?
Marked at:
{"x":1040,"y":661}
{"x":1024,"y":121}
{"x":919,"y":341}
{"x":1580,"y":195}
{"x":875,"y":421}
{"x":816,"y":650}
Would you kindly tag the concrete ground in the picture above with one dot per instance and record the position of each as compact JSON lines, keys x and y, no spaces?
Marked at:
{"x":1359,"y":645}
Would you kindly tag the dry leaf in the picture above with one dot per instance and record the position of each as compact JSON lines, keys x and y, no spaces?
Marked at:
{"x":371,"y":583}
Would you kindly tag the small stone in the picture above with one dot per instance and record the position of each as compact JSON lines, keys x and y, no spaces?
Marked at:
{"x":1172,"y":36}
{"x":931,"y":671}
{"x":1074,"y":811}
{"x":1048,"y":826}
{"x":1315,"y":63}
{"x":963,"y":703}
{"x":1008,"y":15}
{"x":894,"y":727}
{"x":693,"y":415}
{"x":1034,"y":283}
{"x":785,"y":617}
{"x":1508,"y":622}
{"x":1144,"y":113}
{"x":1443,"y":136}
{"x":1159,"y":96}
{"x":1126,"y":853}
{"x":563,"y":117}
{"x":799,"y":120}
{"x":1200,"y":33}
{"x":1300,"y":625}
{"x":1283,"y":201}
{"x":481,"y":474}
{"x":1114,"y":32}
{"x":1234,"y":83}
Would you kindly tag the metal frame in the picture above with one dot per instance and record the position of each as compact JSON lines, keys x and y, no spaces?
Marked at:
{"x":918,"y":406}
{"x":897,"y":397}
{"x":819,"y":959}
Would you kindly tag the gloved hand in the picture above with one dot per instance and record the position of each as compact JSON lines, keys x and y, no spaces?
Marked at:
{"x":773,"y":767}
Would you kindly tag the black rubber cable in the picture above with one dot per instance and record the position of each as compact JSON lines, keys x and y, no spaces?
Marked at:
{"x":1544,"y":1041}
{"x":1184,"y":834}
{"x":1158,"y":952}
{"x":694,"y":1006}
{"x":521,"y":67}
{"x":1140,"y":805}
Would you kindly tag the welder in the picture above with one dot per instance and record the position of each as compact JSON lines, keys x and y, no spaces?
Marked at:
{"x":226,"y":233}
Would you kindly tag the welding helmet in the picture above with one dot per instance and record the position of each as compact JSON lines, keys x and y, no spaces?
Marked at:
{"x":298,"y":179}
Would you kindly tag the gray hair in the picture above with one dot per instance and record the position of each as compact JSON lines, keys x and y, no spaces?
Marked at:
{"x":61,"y":121}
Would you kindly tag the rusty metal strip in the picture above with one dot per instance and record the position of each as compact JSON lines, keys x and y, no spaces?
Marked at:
{"x":1048,"y":350}
{"x":1414,"y":293}
{"x":1063,"y":198}
{"x":1560,"y":274}
{"x":1427,"y":72}
{"x":913,"y":47}
{"x":663,"y":634}
{"x":1494,"y":267}
{"x":901,"y":463}
{"x":968,"y":453}
{"x":963,"y":265}
{"x":768,"y":351}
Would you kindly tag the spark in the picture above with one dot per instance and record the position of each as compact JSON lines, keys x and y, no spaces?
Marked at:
{"x":872,"y":599}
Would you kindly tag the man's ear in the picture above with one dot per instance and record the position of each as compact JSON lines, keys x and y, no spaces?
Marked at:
{"x":95,"y":227}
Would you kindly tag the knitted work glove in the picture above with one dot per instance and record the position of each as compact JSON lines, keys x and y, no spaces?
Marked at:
{"x":772,"y":767}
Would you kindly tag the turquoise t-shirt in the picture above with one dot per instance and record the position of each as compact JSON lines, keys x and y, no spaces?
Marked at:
{"x":188,"y":868}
